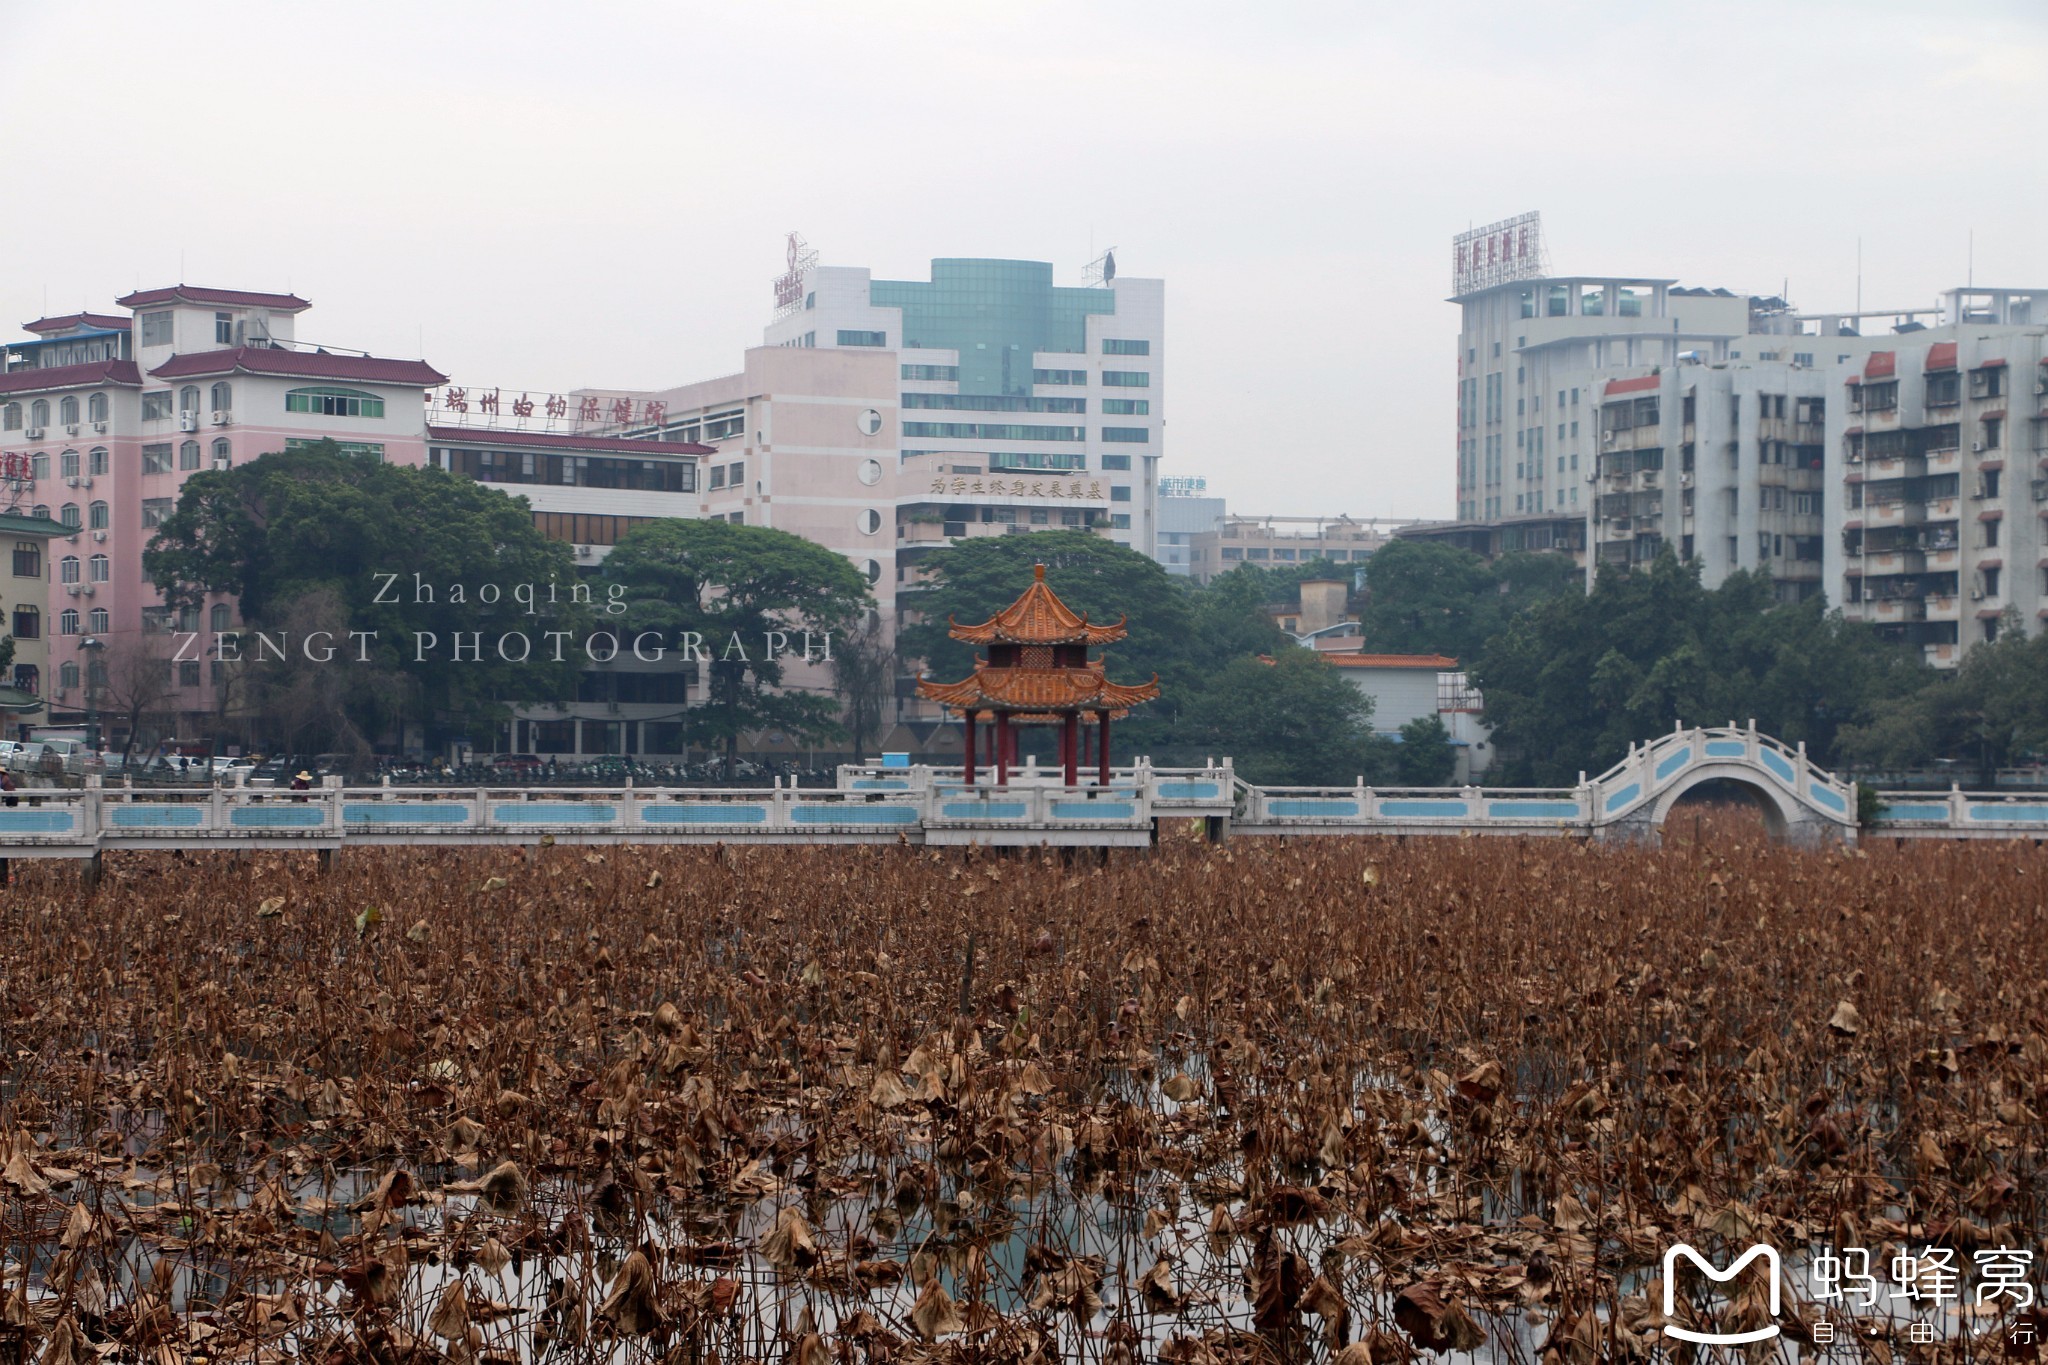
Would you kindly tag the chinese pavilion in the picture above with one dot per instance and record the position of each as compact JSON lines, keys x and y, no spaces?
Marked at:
{"x":1038,"y":673}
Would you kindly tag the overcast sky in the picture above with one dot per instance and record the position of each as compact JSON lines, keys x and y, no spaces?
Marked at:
{"x":546,"y":195}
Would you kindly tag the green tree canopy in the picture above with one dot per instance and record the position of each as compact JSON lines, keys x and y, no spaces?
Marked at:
{"x":1425,"y":757}
{"x":420,"y":559}
{"x":1426,"y":598}
{"x":1290,"y":721}
{"x":1989,"y":713}
{"x":1575,"y":679}
{"x":734,"y":587}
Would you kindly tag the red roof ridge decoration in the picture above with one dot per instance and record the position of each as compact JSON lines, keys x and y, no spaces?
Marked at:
{"x":1038,"y":618}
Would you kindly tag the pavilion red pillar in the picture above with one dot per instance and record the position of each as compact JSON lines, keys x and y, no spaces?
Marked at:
{"x":1070,"y":747}
{"x":968,"y":761}
{"x":1103,"y":756}
{"x":1002,"y":748}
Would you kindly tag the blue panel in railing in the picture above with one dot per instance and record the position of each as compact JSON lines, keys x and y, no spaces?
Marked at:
{"x":554,"y":813}
{"x":1624,"y":796}
{"x":1777,"y":763}
{"x":880,"y":784}
{"x":1425,"y":810}
{"x":1312,"y":806}
{"x":1094,"y":810}
{"x":1188,"y":790}
{"x":1532,"y":810}
{"x":404,"y":813}
{"x":277,"y":817}
{"x":825,"y":813}
{"x":1674,"y":762}
{"x":1821,"y":796}
{"x":154,"y":817}
{"x":1727,"y":748}
{"x":2001,"y":811}
{"x":37,"y":821}
{"x":984,"y":810}
{"x":701,"y":813}
{"x":1915,"y":812}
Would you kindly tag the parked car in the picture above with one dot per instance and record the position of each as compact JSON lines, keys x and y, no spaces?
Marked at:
{"x":8,"y":749}
{"x":525,"y":764}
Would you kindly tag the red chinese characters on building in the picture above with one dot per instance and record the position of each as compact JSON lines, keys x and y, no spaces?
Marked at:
{"x":654,"y":412}
{"x":17,"y":468}
{"x":456,"y":400}
{"x":558,"y":406}
{"x":522,"y":406}
{"x":488,"y":402}
{"x":587,"y":410}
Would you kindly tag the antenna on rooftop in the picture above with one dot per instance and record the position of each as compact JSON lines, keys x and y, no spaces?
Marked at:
{"x":1101,"y":271}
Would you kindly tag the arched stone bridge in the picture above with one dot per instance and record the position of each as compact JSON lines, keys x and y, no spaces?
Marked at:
{"x":1802,"y":803}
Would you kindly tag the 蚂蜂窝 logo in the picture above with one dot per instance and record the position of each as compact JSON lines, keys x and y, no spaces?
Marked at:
{"x":1768,"y":1255}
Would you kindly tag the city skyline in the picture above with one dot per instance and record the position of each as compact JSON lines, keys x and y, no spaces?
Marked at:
{"x":623,"y":229}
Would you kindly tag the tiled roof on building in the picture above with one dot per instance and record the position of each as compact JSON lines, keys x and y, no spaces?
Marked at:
{"x":232,"y":298}
{"x":1638,"y":385}
{"x":271,"y":360}
{"x":1434,"y":662}
{"x":88,"y":375}
{"x":104,"y":321}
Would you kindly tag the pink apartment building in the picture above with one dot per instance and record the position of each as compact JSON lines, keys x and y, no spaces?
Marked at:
{"x":113,"y":412}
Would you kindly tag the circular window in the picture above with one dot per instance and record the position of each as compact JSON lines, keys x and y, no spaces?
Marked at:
{"x":870,"y":522}
{"x":869,"y":422}
{"x":871,"y":472}
{"x":874,"y":570}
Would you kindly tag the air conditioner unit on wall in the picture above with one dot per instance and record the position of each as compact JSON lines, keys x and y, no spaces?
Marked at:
{"x":71,"y":428}
{"x":100,"y":428}
{"x":33,"y":434}
{"x":99,"y":535}
{"x":221,"y":417}
{"x":188,"y":421}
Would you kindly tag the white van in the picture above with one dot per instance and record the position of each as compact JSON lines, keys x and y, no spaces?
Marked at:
{"x":60,"y":755}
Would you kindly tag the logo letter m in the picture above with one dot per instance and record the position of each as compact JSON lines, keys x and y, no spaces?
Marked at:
{"x":1768,"y":1255}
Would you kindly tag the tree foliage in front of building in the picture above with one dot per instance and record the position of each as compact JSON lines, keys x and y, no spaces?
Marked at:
{"x":1574,"y":679}
{"x":732,"y":586}
{"x":1425,"y":598}
{"x":1990,"y":713}
{"x":345,"y":539}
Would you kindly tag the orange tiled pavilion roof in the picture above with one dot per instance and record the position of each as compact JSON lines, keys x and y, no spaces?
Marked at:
{"x":1038,"y":618}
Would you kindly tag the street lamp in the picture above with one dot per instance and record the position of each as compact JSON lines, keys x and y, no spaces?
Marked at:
{"x":92,"y":645}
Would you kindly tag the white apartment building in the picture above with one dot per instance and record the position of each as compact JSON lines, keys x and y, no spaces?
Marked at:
{"x":1722,"y":461}
{"x":1185,"y":511}
{"x":1530,"y":354}
{"x":1943,"y":520}
{"x":998,"y":366}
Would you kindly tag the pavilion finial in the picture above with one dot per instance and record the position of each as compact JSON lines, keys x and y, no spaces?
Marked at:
{"x":1038,"y":572}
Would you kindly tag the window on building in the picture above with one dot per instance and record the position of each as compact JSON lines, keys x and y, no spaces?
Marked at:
{"x":937,"y":374}
{"x":156,"y":406}
{"x":223,"y":329}
{"x":188,"y":455}
{"x":1127,"y":407}
{"x":1127,"y":379}
{"x":28,"y":623}
{"x":1994,"y":432}
{"x":10,"y":417}
{"x":188,"y":672}
{"x":1127,"y":435}
{"x":222,"y":453}
{"x":1046,"y":377}
{"x":1112,"y":346}
{"x":156,"y":458}
{"x":222,"y":397}
{"x":67,"y":409}
{"x":28,"y":559}
{"x":156,"y":511}
{"x":67,"y":621}
{"x":71,"y":516}
{"x":1116,"y":462}
{"x":96,"y":516}
{"x":852,"y":338}
{"x":1120,"y":521}
{"x":155,"y":328}
{"x":98,"y":569}
{"x":332,"y":402}
{"x":188,"y":398}
{"x":1988,"y":382}
{"x":1990,"y":539}
{"x":1991,"y":576}
{"x":718,"y":476}
{"x":67,"y":673}
{"x":96,"y":461}
{"x":97,"y":621}
{"x":1944,"y":390}
{"x":1119,"y":492}
{"x":218,"y":616}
